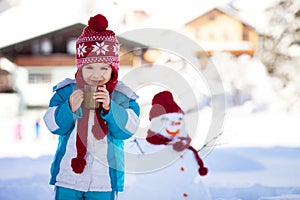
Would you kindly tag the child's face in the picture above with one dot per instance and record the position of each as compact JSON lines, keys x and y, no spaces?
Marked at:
{"x":96,"y":73}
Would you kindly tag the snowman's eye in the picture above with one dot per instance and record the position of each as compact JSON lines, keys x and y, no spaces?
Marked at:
{"x":164,"y":119}
{"x":180,"y":118}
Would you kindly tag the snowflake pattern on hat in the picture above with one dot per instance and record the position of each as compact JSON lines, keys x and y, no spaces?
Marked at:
{"x":116,"y":49}
{"x":103,"y":48}
{"x":81,"y":50}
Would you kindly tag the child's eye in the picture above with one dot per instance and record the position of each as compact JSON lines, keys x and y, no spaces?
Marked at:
{"x":88,"y":67}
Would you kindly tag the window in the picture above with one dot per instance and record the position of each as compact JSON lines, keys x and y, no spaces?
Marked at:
{"x":39,"y":78}
{"x":245,"y":35}
{"x":71,"y":46}
{"x":46,"y":46}
{"x":42,"y":47}
{"x":212,"y":16}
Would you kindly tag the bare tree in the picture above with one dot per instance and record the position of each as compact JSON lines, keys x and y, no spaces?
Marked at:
{"x":282,"y":34}
{"x":279,"y":47}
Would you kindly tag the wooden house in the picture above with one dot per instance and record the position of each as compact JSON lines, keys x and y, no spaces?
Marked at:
{"x":48,"y":58}
{"x":222,"y":29}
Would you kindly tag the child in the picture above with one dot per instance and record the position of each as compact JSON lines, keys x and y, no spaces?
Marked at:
{"x":89,"y":161}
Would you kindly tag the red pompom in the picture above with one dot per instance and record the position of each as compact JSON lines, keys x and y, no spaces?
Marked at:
{"x":98,"y":23}
{"x":78,"y":165}
{"x":203,"y":171}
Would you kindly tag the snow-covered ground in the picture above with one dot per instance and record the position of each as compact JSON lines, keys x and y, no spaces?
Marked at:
{"x":258,"y":158}
{"x":235,"y":173}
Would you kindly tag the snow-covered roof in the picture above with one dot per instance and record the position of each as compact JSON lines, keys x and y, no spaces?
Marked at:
{"x":17,"y":25}
{"x":180,"y":13}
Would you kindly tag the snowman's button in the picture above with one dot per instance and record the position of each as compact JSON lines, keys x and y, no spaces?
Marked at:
{"x":182,"y":169}
{"x":185,"y":195}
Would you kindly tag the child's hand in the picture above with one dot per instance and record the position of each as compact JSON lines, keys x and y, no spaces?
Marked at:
{"x":76,"y":99}
{"x":102,"y":96}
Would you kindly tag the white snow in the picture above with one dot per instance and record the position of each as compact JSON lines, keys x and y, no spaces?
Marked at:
{"x":257,"y":158}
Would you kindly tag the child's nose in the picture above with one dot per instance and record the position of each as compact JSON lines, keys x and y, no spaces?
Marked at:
{"x":98,"y":73}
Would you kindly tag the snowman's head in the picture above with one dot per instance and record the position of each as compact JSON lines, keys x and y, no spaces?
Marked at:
{"x":165,"y":115}
{"x":169,"y":124}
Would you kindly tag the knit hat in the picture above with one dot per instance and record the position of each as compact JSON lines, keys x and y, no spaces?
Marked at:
{"x":96,"y":44}
{"x":163,"y":103}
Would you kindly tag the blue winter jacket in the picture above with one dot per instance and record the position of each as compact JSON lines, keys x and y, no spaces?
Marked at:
{"x":122,"y":121}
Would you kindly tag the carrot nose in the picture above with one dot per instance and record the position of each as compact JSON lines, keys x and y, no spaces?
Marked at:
{"x":175,"y":123}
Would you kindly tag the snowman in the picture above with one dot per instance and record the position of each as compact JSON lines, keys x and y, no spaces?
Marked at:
{"x":175,"y":167}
